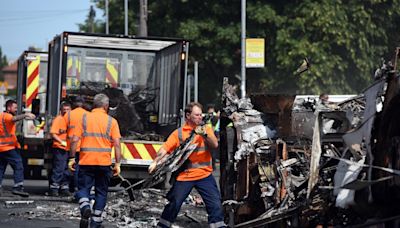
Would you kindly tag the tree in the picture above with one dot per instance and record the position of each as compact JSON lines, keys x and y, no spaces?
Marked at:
{"x":3,"y":63}
{"x":344,"y":40}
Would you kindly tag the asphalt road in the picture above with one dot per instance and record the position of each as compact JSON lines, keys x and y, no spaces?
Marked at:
{"x":40,"y":210}
{"x":19,"y":212}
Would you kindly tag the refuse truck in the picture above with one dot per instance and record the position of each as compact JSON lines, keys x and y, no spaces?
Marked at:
{"x":143,"y":77}
{"x":31,"y":97}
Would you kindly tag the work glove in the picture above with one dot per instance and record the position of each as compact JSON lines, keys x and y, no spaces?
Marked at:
{"x":63,"y":143}
{"x":152,"y":167}
{"x":116,"y":169}
{"x":71,"y":164}
{"x":201,"y":130}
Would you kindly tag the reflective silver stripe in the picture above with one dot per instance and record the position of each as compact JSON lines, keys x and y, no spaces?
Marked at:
{"x":108,"y":125}
{"x":19,"y":184}
{"x":180,"y":135}
{"x":198,"y":165}
{"x":54,"y":185}
{"x":84,"y":204}
{"x":165,"y":222}
{"x":86,"y":134}
{"x":203,"y":148}
{"x":97,"y":218}
{"x":96,"y":149}
{"x":97,"y":212}
{"x":69,"y":121}
{"x":64,"y":187}
{"x":84,"y":199}
{"x":6,"y":134}
{"x":7,"y":143}
{"x":94,"y":134}
{"x":217,"y":224}
{"x":84,"y":123}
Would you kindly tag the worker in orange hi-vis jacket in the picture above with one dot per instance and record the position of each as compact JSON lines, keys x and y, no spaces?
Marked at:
{"x":9,"y":152}
{"x":60,"y":174}
{"x":98,"y":133}
{"x":73,"y":119}
{"x":198,"y":171}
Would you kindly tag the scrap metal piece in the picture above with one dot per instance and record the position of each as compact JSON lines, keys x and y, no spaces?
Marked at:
{"x":191,"y":217}
{"x":19,"y":203}
{"x":174,"y":162}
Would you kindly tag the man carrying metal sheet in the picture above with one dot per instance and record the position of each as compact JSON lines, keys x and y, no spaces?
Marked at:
{"x":198,"y":170}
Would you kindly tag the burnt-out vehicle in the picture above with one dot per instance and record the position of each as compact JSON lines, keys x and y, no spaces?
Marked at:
{"x":341,"y":171}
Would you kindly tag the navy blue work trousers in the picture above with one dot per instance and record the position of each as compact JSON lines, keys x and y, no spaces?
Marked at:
{"x":207,"y":187}
{"x":97,"y":176}
{"x":61,"y":174}
{"x":13,"y":157}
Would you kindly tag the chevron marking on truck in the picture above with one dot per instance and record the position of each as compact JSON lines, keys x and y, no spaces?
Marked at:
{"x":73,"y":72}
{"x":141,"y":151}
{"x":111,"y":74}
{"x":32,"y":87}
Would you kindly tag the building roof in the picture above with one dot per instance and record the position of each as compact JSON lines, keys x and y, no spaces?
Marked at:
{"x":13,"y":67}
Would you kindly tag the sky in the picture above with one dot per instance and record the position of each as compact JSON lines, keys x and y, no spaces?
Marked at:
{"x":25,"y":23}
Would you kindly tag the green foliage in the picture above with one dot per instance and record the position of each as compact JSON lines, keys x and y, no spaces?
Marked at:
{"x":3,"y":63}
{"x":344,"y":40}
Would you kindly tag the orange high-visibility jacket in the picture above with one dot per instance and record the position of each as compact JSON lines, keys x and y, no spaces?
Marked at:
{"x":58,"y":127}
{"x":97,"y":132}
{"x":8,"y":140}
{"x":200,"y":164}
{"x":73,"y":119}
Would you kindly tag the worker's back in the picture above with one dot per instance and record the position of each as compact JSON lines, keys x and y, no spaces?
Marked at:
{"x":72,"y":120}
{"x":97,"y":131}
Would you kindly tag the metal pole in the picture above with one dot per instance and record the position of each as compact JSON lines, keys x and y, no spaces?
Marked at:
{"x":185,"y":81}
{"x":196,"y":81}
{"x":107,"y":31}
{"x":126,"y":17}
{"x":189,"y":91}
{"x":243,"y":39}
{"x":143,"y":18}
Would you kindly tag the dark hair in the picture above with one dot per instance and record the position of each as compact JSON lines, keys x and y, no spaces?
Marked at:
{"x":79,"y":100}
{"x":210,"y":106}
{"x":189,"y":107}
{"x":10,"y":102}
{"x":65,"y":103}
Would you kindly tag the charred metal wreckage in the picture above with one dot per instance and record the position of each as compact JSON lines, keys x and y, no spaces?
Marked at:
{"x":289,"y":164}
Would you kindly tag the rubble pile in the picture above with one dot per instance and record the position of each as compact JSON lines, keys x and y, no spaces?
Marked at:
{"x":305,"y":182}
{"x":120,"y":211}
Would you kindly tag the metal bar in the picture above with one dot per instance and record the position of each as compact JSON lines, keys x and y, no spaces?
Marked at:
{"x":260,"y":221}
{"x":189,"y":89}
{"x":196,"y":81}
{"x":185,"y":80}
{"x":126,"y":17}
{"x":107,"y":18}
{"x":243,"y":38}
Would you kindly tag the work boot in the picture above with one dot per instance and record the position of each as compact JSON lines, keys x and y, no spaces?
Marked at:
{"x":94,"y":224}
{"x":19,"y":190}
{"x":53,"y":192}
{"x":65,"y":192}
{"x":86,"y":212}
